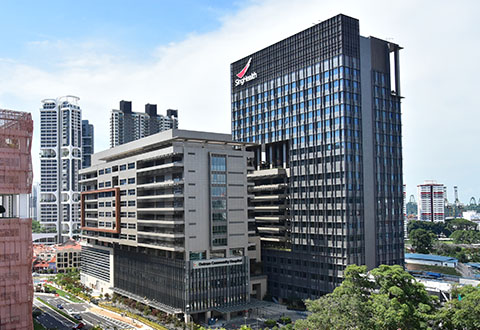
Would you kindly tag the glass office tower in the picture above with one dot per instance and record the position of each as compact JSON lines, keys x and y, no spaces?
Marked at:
{"x":325,"y":105}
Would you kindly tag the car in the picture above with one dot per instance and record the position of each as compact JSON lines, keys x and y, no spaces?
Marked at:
{"x":77,"y":317}
{"x":79,"y":326}
{"x":59,"y":306}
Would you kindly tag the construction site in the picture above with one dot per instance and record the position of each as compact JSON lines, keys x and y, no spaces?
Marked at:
{"x":16,"y":288}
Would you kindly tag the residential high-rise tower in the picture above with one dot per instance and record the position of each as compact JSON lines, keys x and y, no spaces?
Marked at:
{"x":431,"y":201}
{"x":323,"y":104}
{"x":127,"y":126}
{"x":60,"y":160}
{"x":87,"y":143}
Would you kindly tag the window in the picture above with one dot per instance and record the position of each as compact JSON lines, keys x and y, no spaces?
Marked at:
{"x":219,"y":204}
{"x":100,"y":172}
{"x":131,"y":180}
{"x":131,"y":203}
{"x":131,"y":192}
{"x":219,"y":216}
{"x":123,"y":182}
{"x":219,"y":241}
{"x":131,"y":214}
{"x":219,"y":191}
{"x":132,"y":226}
{"x":123,"y":167}
{"x":131,"y":165}
{"x":218,"y":163}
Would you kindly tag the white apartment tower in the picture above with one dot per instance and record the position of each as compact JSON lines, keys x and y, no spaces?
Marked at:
{"x":60,"y":161}
{"x":431,"y":201}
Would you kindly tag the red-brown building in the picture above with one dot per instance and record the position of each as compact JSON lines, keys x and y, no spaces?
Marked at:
{"x":16,"y":288}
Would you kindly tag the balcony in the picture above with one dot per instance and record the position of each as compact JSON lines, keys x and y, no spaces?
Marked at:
{"x":85,"y":180}
{"x":159,"y":168}
{"x":270,"y":218}
{"x":162,"y":234}
{"x":169,"y":244}
{"x":271,"y":208}
{"x":160,"y":196}
{"x":160,"y":184}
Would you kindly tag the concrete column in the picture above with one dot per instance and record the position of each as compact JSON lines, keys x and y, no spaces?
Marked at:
{"x":284,"y":154}
{"x":227,"y":316}
{"x":208,"y":315}
{"x":397,"y":70}
{"x":259,"y":158}
{"x":270,"y":152}
{"x":23,"y":206}
{"x":264,"y":156}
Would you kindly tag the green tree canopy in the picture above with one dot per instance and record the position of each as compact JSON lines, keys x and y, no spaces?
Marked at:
{"x":422,"y":240}
{"x":460,"y":224}
{"x":463,"y":311}
{"x":466,"y":236}
{"x":386,"y":298}
{"x":438,"y":228}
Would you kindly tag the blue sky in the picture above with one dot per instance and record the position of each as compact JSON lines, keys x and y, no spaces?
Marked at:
{"x":129,"y":26}
{"x":177,"y":54}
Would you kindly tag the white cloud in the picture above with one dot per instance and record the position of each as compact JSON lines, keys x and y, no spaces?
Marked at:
{"x":439,"y":75}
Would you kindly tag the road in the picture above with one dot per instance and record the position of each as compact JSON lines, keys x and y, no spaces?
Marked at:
{"x":89,"y":318}
{"x":50,"y":319}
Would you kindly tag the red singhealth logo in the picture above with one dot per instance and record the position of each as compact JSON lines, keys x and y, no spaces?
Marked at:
{"x":241,"y":75}
{"x":244,"y":70}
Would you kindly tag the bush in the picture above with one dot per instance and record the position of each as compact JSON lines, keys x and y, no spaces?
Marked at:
{"x":147,"y":310}
{"x":285,"y":320}
{"x":270,"y":323}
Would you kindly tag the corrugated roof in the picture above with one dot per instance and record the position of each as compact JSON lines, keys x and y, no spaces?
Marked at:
{"x":474,"y":264}
{"x":431,"y":257}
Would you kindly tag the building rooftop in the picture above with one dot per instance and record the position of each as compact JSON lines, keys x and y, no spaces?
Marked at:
{"x":157,"y":140}
{"x":430,"y":257}
{"x":70,"y":244}
{"x":474,"y":265}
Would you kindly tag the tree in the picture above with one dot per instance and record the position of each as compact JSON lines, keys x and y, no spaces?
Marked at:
{"x":401,"y":301}
{"x":463,"y":311}
{"x":348,"y":307}
{"x":465,"y":236}
{"x":422,"y":240}
{"x":36,"y":227}
{"x":437,"y":228}
{"x":460,"y":224}
{"x":337,"y":312}
{"x":386,"y":298}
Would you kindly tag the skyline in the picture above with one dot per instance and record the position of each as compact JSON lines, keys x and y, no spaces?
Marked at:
{"x":107,"y":62}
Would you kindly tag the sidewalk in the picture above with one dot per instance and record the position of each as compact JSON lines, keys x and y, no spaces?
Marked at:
{"x":125,"y":319}
{"x":104,"y":312}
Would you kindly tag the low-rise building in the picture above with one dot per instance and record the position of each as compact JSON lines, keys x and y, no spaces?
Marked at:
{"x":430,"y":259}
{"x":164,"y":222}
{"x":57,"y":258}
